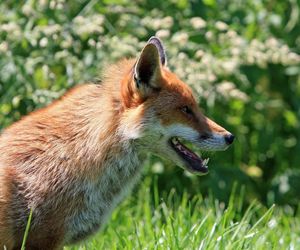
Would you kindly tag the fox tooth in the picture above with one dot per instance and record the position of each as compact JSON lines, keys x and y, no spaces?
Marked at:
{"x":205,"y":162}
{"x":174,"y":141}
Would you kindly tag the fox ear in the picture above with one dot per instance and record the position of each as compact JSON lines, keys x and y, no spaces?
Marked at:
{"x":147,"y":70}
{"x":158,"y":44}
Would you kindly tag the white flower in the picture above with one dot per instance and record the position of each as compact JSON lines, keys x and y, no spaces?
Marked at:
{"x":79,"y":20}
{"x":3,"y":47}
{"x":43,"y":3}
{"x":225,"y":87}
{"x":207,"y":60}
{"x":50,"y":29}
{"x":250,"y":58}
{"x":158,"y":23}
{"x":27,"y":10}
{"x":43,"y":42}
{"x":275,"y":58}
{"x":16,"y":100}
{"x":167,"y":22}
{"x":67,"y":42}
{"x":284,"y":185}
{"x":180,"y":37}
{"x":229,"y":66}
{"x":237,"y":94}
{"x":163,"y":33}
{"x":221,"y":25}
{"x":198,"y":23}
{"x":85,"y":26}
{"x":231,"y":34}
{"x":272,"y":42}
{"x":97,"y":19}
{"x":211,"y":77}
{"x":99,"y":45}
{"x":238,"y":41}
{"x":59,"y":6}
{"x":293,"y":58}
{"x":229,"y":90}
{"x":209,"y":35}
{"x":12,"y":29}
{"x":29,"y":65}
{"x":9,"y":27}
{"x":201,"y":77}
{"x":235,"y":51}
{"x":182,"y":56}
{"x":199,"y":53}
{"x":52,"y":4}
{"x":92,"y":42}
{"x":61,"y":54}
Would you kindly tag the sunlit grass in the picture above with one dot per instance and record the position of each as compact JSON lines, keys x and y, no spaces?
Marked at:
{"x":152,"y":220}
{"x":26,"y":230}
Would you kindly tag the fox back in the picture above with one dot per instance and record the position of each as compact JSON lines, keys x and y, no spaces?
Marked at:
{"x":72,"y":162}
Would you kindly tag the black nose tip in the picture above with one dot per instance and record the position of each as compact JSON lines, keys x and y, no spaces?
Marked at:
{"x":229,"y":139}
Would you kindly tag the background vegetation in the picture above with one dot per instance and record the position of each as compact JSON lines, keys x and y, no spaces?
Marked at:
{"x":241,"y":58}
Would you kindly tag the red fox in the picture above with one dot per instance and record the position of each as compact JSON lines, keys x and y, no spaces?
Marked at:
{"x":72,"y":162}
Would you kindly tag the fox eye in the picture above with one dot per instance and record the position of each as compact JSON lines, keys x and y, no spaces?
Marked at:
{"x":187,"y":110}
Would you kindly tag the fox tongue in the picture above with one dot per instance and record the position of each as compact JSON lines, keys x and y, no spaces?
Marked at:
{"x":187,"y":151}
{"x":194,"y":162}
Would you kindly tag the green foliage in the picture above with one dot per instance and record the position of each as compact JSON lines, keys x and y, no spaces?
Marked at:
{"x":241,"y":58}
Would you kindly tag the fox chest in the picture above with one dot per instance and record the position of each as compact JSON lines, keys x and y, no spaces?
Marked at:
{"x":101,"y":197}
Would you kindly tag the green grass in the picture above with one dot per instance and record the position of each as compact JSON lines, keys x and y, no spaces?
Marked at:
{"x":155,"y":219}
{"x":26,"y":230}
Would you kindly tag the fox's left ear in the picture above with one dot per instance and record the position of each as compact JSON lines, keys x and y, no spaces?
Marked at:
{"x":158,"y":44}
{"x":147,"y":70}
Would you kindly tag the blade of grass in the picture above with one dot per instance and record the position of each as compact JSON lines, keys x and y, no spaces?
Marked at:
{"x":26,"y":230}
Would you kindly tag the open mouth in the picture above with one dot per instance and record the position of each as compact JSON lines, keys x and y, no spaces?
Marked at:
{"x":195,"y":163}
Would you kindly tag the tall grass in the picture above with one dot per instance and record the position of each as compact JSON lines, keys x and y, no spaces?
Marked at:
{"x":154,"y":219}
{"x":26,"y":230}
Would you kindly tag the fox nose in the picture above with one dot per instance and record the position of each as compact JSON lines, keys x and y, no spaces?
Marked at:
{"x":229,"y":139}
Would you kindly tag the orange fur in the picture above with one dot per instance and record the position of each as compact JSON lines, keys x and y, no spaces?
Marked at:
{"x":83,"y":150}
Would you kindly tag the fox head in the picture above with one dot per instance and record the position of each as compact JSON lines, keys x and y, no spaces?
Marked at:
{"x":161,"y":113}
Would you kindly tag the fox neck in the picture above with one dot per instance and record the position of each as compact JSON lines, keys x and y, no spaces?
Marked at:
{"x":95,"y":146}
{"x":107,"y":134}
